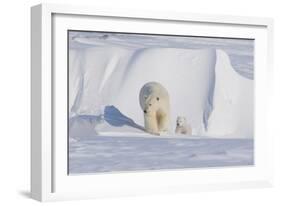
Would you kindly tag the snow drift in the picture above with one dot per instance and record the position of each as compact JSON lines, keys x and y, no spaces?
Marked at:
{"x":232,"y":114}
{"x":104,"y":84}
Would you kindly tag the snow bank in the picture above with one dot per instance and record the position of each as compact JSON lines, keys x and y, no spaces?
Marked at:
{"x":233,"y":102}
{"x":89,"y":73}
{"x":105,"y":82}
{"x":188,"y":76}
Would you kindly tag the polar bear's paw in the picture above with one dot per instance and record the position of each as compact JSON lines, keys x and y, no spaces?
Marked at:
{"x":154,"y":133}
{"x":163,"y":133}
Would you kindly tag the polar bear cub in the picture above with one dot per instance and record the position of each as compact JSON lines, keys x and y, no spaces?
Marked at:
{"x":182,"y":126}
{"x":155,"y":103}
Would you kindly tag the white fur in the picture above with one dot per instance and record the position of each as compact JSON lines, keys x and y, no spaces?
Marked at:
{"x":182,"y":126}
{"x":155,"y":103}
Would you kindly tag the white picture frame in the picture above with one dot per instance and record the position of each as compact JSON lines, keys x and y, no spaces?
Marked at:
{"x":49,"y":178}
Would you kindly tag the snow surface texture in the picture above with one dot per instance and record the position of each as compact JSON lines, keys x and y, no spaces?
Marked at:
{"x":107,"y":154}
{"x":208,"y":80}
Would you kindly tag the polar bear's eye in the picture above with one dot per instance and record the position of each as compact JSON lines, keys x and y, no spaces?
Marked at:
{"x":157,"y":98}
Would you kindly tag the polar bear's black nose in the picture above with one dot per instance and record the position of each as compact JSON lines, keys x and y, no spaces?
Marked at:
{"x":144,"y":111}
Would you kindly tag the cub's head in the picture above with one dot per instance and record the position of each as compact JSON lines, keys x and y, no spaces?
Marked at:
{"x":181,"y":121}
{"x":150,"y":104}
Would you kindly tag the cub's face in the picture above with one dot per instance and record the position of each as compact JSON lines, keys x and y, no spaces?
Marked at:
{"x":181,"y":121}
{"x":151,"y":104}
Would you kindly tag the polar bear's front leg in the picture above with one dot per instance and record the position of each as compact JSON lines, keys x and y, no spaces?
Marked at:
{"x":150,"y":124}
{"x":178,"y":130}
{"x":163,"y":122}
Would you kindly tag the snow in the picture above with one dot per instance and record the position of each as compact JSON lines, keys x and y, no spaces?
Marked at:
{"x":204,"y":88}
{"x":232,"y":115}
{"x":209,"y":82}
{"x":240,"y":51}
{"x":88,"y":74}
{"x":112,"y":154}
{"x":190,"y":68}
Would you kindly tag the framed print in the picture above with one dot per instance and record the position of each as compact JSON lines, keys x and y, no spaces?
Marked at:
{"x":127,"y":103}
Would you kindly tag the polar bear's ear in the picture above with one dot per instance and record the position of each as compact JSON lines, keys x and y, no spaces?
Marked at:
{"x":157,"y":98}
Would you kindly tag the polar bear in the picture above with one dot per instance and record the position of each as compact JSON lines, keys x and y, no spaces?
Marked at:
{"x":155,"y":104}
{"x":182,"y":126}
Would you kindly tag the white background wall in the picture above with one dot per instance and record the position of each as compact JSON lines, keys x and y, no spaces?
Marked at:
{"x":15,"y":95}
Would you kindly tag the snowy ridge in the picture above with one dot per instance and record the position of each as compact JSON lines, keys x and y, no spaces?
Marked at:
{"x":232,"y":115}
{"x":105,"y":82}
{"x":240,"y":51}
